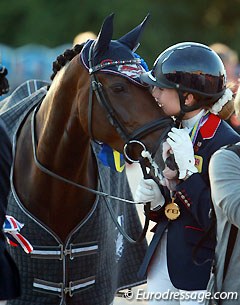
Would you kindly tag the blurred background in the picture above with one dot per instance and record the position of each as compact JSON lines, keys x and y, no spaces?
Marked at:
{"x":33,"y":33}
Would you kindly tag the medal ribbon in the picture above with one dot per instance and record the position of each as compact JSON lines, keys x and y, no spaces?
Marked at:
{"x":197,"y":126}
{"x":172,"y":210}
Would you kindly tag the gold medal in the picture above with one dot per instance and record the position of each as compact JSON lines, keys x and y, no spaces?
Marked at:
{"x":172,"y":210}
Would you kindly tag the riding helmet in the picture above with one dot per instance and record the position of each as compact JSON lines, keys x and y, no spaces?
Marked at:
{"x":189,"y":67}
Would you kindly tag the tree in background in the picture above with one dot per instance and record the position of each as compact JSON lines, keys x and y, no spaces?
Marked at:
{"x":56,"y":22}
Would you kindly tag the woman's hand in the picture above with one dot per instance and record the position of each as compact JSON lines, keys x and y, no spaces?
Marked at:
{"x":148,"y":191}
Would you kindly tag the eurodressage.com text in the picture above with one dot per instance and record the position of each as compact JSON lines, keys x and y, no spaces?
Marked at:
{"x":142,"y":295}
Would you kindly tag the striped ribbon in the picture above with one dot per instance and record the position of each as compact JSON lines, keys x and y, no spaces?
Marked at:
{"x":197,"y":126}
{"x":11,"y":228}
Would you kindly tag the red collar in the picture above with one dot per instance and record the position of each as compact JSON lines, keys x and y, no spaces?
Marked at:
{"x":210,"y":127}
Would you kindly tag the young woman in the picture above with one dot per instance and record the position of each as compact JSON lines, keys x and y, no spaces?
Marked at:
{"x":189,"y":83}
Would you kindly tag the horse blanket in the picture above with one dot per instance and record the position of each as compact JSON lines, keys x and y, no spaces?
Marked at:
{"x":95,"y":261}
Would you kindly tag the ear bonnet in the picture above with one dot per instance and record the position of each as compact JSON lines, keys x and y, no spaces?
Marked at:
{"x":116,"y":56}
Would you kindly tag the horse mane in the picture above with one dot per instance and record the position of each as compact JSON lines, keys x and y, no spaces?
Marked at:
{"x":62,"y":59}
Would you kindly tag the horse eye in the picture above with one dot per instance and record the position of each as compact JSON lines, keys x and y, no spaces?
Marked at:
{"x":117,"y":88}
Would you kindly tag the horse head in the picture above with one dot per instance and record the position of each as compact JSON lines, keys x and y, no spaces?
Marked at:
{"x":132,"y":113}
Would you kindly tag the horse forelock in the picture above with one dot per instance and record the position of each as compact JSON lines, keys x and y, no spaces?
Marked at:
{"x":116,"y":52}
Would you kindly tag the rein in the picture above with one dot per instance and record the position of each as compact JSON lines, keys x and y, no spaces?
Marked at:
{"x":99,"y":193}
{"x":54,"y":175}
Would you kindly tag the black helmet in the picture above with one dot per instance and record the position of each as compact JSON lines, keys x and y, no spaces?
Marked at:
{"x":189,"y":67}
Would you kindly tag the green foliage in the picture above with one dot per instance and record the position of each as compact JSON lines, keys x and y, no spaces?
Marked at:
{"x":56,"y":22}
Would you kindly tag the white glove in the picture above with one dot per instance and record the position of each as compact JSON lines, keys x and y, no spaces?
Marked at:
{"x":148,"y":191}
{"x":182,"y":148}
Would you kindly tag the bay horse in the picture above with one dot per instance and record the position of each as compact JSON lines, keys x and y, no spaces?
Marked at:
{"x":79,"y":257}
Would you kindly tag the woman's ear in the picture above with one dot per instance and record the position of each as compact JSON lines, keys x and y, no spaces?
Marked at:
{"x":189,"y":99}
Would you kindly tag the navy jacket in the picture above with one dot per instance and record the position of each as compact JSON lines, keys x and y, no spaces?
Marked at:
{"x":9,"y":276}
{"x":194,"y":199}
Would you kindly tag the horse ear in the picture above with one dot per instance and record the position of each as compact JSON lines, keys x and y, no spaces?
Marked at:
{"x":131,"y":39}
{"x":104,"y":36}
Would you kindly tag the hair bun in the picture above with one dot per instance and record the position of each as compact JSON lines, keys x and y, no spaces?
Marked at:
{"x":227,"y":110}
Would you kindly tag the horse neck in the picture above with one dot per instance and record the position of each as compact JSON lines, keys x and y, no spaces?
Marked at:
{"x":59,"y":129}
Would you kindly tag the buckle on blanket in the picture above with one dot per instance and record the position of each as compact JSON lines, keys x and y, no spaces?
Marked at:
{"x":65,"y":252}
{"x":60,"y":289}
{"x":81,"y":249}
{"x":59,"y":252}
{"x":68,"y":290}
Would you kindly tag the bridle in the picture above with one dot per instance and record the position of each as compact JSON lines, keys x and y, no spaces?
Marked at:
{"x":114,"y":120}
